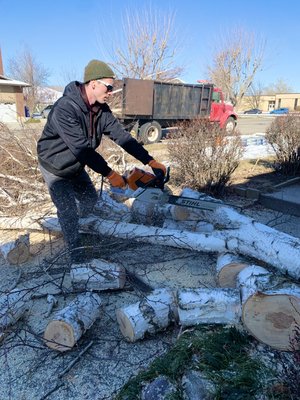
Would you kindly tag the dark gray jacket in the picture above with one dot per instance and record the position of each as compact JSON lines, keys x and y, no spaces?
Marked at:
{"x":67,"y":144}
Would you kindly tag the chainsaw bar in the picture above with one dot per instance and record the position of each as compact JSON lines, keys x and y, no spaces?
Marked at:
{"x":194,"y":203}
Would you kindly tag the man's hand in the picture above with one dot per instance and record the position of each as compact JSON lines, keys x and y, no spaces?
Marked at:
{"x":158,"y":169}
{"x":116,"y":180}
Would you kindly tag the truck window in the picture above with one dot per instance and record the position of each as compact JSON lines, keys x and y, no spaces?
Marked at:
{"x":216,"y":97}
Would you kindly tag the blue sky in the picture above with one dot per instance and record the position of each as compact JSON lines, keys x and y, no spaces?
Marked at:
{"x":65,"y":35}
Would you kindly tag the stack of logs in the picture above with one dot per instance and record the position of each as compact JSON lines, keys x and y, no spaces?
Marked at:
{"x":267,"y":303}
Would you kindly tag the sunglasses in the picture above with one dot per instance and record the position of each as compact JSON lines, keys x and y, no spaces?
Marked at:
{"x":109,"y":88}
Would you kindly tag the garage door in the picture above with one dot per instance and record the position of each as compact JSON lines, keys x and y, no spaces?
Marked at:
{"x":8,"y":113}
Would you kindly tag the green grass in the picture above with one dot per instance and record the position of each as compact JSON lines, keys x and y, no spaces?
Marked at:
{"x":222,"y":356}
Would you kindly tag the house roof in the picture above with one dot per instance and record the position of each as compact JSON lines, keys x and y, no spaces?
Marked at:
{"x":4,"y":81}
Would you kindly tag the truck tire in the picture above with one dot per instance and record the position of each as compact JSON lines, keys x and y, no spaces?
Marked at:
{"x":150,"y":132}
{"x":230,"y":125}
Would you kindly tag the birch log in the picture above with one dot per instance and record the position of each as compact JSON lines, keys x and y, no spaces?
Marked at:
{"x":16,"y":251}
{"x":158,"y":236}
{"x":249,"y":238}
{"x":208,"y":306}
{"x":271,"y":316}
{"x":228,"y":267}
{"x":70,"y":323}
{"x":251,"y":280}
{"x":13,"y":305}
{"x":152,"y":314}
{"x":98,"y":275}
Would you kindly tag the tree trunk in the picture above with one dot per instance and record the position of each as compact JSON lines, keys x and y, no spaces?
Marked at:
{"x":271,"y":316}
{"x":98,"y":275}
{"x":16,"y":251}
{"x":228,"y":267}
{"x":208,"y":306}
{"x":13,"y":305}
{"x":158,"y":236}
{"x":69,"y":324}
{"x":152,"y":314}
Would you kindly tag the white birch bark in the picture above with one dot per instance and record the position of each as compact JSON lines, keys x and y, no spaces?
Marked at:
{"x":250,"y":239}
{"x":208,"y":306}
{"x":98,"y":275}
{"x":155,"y":235}
{"x":69,"y":324}
{"x":251,"y":280}
{"x":150,"y":315}
{"x":16,"y":251}
{"x":13,"y":305}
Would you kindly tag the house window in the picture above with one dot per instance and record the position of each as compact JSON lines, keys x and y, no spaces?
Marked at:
{"x":279,"y":103}
{"x":295,"y":104}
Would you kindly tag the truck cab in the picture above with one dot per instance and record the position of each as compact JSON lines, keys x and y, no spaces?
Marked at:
{"x":222,"y":112}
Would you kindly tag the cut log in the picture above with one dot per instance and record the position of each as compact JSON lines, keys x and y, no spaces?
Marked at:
{"x":251,"y":280}
{"x":228,"y":267}
{"x":152,"y":314}
{"x":16,"y":251}
{"x":159,"y":236}
{"x":98,"y":275}
{"x":208,"y":306}
{"x":70,"y":323}
{"x":273,"y":317}
{"x":250,"y":239}
{"x":13,"y":305}
{"x":107,"y":207}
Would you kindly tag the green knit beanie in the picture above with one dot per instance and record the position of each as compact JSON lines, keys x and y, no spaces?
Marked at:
{"x":96,"y":70}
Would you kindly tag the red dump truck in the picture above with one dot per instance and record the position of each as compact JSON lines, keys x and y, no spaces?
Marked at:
{"x":149,"y":106}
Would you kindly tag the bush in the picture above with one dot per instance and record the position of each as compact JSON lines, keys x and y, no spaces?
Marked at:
{"x":284,"y":136}
{"x":204,"y":157}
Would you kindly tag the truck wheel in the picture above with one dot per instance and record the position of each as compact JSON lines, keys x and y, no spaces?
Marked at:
{"x":230,"y":125}
{"x":150,"y":132}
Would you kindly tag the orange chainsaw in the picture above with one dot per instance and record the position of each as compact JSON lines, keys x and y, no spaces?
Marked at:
{"x":149,"y":188}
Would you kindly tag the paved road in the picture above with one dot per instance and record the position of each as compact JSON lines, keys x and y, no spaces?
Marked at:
{"x":250,"y":124}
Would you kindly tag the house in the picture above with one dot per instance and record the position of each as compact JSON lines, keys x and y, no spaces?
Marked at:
{"x":12,"y":104}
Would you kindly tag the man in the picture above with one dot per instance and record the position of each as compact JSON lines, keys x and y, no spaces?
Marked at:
{"x":68,"y":143}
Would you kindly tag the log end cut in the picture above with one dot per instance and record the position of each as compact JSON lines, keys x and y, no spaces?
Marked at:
{"x":228,"y":274}
{"x":59,"y":336}
{"x":273,"y":319}
{"x":19,"y":254}
{"x":125,"y":326}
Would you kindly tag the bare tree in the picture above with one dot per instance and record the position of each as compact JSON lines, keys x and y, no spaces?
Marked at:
{"x":26,"y":68}
{"x":145,"y":47}
{"x":253,"y":99}
{"x":239,"y":56}
{"x":280,"y":86}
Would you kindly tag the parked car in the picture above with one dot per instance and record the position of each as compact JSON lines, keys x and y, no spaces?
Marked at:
{"x":46,"y":111}
{"x":253,"y":111}
{"x":282,"y":110}
{"x":36,"y":115}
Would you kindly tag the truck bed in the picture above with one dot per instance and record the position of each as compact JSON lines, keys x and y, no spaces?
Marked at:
{"x":164,"y":101}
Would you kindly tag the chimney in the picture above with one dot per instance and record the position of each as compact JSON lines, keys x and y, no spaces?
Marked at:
{"x":1,"y":64}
